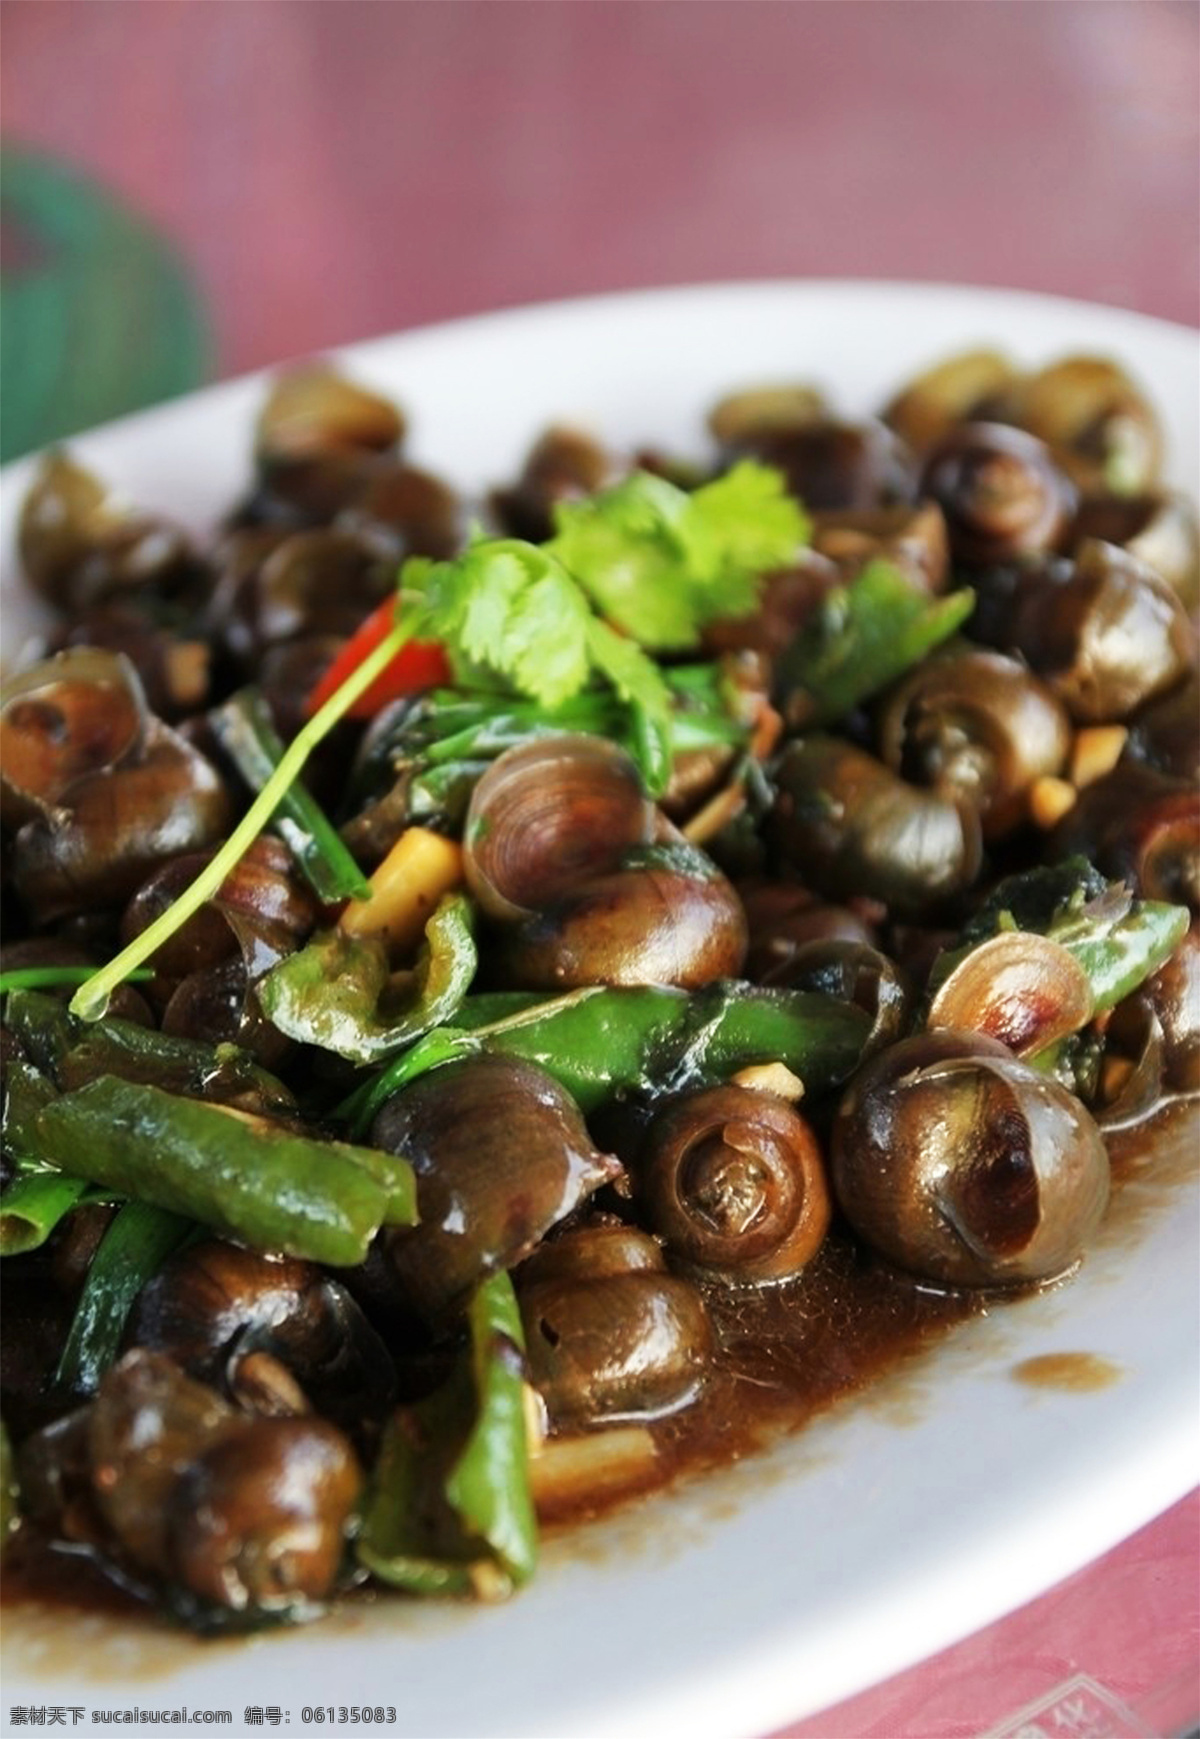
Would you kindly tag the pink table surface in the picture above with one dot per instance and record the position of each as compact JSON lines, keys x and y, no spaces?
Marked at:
{"x":334,"y":169}
{"x":337,"y":169}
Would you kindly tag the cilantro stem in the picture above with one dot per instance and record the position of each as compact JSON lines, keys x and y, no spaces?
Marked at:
{"x":245,"y":731}
{"x":50,"y":977}
{"x":91,"y":999}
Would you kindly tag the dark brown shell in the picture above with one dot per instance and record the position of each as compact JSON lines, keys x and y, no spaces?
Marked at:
{"x":733,"y":1181}
{"x":120,"y":823}
{"x":1001,"y":492}
{"x":559,"y":850}
{"x":72,"y":715}
{"x":1107,"y":634}
{"x":848,"y":825}
{"x":978,"y":725}
{"x":608,"y":1332}
{"x":501,"y":1154}
{"x":663,"y":918}
{"x":259,"y":1520}
{"x":548,"y":816}
{"x":966,"y":1166}
{"x":212,"y":1304}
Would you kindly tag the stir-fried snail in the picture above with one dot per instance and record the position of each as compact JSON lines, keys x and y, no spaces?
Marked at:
{"x":588,"y":883}
{"x":214,"y":1306}
{"x":244,"y":1513}
{"x":1101,"y":426}
{"x":732,"y":1179}
{"x":402,"y":511}
{"x":104,"y":789}
{"x":979,"y":726}
{"x":757,"y":411}
{"x":315,"y":409}
{"x":849,"y":825}
{"x":63,"y":720}
{"x":1001,"y":492}
{"x":962,"y":388}
{"x":964,"y":1165}
{"x":312,"y":584}
{"x":260,"y":1518}
{"x":1026,"y":990}
{"x":1106,"y":632}
{"x":501,"y":1154}
{"x":80,"y":545}
{"x":609,"y":1332}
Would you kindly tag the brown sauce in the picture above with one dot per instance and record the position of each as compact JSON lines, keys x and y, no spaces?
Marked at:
{"x":1069,"y":1373}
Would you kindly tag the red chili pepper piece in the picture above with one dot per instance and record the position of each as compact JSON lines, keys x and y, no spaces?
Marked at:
{"x":418,"y":664}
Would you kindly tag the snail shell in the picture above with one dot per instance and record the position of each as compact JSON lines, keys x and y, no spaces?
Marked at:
{"x":733,"y":1181}
{"x":501,"y":1154}
{"x":961,"y":1163}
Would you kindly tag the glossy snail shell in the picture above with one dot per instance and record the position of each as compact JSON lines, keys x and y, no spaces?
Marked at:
{"x":734,"y":1183}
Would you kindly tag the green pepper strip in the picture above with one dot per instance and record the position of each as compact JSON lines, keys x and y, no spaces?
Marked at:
{"x":131,"y":1253}
{"x":246,"y":1177}
{"x":72,"y":1052}
{"x":246,"y":732}
{"x":864,"y":636}
{"x":1120,"y":953}
{"x":27,"y":1091}
{"x":32,"y":1207}
{"x":451,"y":1492}
{"x":598,"y":1041}
{"x":339,"y":992}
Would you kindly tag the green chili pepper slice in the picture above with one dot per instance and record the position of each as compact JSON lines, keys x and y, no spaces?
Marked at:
{"x":244,"y":1176}
{"x":452,"y":1510}
{"x":339,"y":991}
{"x":32,"y":1206}
{"x":600,"y":1041}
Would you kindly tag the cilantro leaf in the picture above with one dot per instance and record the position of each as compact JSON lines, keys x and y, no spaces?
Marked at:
{"x":751,"y":522}
{"x":510,"y":607}
{"x":661,"y":563}
{"x":624,"y":549}
{"x":863,"y":637}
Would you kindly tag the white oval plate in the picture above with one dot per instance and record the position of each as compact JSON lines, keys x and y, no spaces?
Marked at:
{"x":899,"y":1522}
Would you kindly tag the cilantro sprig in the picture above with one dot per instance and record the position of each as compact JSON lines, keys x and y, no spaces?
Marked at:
{"x":661,"y":564}
{"x":637,"y":569}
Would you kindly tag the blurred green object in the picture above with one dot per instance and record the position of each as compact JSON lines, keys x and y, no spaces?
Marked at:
{"x":98,"y":314}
